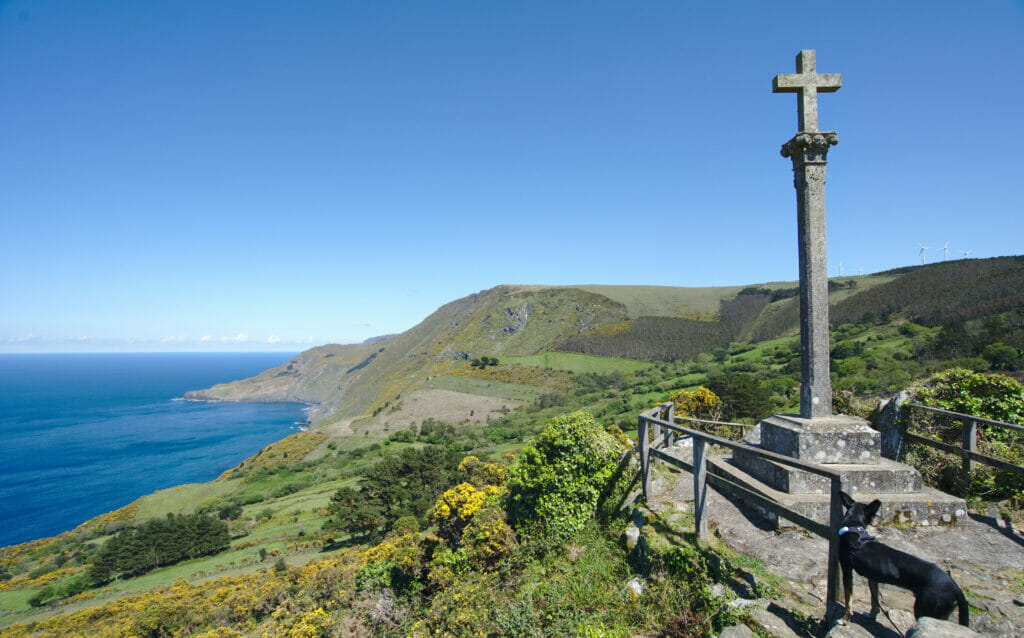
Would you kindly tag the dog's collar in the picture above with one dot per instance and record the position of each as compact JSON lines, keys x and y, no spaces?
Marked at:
{"x":861,"y":536}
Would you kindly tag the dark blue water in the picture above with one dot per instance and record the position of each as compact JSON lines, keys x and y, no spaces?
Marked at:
{"x":84,"y":434}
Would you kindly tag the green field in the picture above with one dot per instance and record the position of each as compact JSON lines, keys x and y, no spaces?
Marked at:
{"x":183,"y":498}
{"x":577,"y":362}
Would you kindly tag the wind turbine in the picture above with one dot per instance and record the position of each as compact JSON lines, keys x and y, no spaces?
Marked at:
{"x":945,"y":252}
{"x":840,"y":269}
{"x":860,"y":271}
{"x":923,"y":249}
{"x":966,"y":253}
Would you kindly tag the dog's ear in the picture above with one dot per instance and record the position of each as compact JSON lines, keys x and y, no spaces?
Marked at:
{"x":846,"y":499}
{"x":871,"y":510}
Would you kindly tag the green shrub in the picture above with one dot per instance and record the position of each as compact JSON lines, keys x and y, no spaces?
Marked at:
{"x":376,"y":575}
{"x":557,"y":481}
{"x":230,"y":512}
{"x":992,"y":396}
{"x":742,"y":395}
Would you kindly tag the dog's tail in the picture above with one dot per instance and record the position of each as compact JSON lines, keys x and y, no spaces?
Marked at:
{"x":961,"y":604}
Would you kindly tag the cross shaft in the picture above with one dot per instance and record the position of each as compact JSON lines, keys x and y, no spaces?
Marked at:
{"x":806,"y":83}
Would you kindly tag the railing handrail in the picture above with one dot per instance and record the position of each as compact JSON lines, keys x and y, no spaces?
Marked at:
{"x":701,"y":479}
{"x":959,"y":415}
{"x":690,"y":418}
{"x":710,"y":438}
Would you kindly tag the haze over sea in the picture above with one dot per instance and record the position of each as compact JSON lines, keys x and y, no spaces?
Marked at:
{"x":84,"y":434}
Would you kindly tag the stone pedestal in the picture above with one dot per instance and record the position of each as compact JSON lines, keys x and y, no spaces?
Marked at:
{"x":831,"y":439}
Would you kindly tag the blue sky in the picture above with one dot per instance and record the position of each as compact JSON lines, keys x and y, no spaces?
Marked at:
{"x":269,"y":175}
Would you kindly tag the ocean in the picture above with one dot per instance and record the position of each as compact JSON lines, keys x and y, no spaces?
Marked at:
{"x":84,"y":434}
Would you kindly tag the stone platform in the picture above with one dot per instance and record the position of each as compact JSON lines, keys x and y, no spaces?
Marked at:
{"x":842,"y":444}
{"x":885,"y":476}
{"x":924,"y":507}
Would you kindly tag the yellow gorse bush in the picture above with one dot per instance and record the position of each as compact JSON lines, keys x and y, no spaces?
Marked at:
{"x":288,"y":602}
{"x":699,"y":404}
{"x":481,"y":473}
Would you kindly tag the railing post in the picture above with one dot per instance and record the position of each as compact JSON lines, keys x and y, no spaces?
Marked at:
{"x":835,"y":521}
{"x":645,"y":457}
{"x":969,"y":436}
{"x":670,"y":416}
{"x":700,"y":488}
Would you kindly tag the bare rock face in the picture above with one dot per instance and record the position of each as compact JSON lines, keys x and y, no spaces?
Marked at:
{"x":517,"y":318}
{"x":935,"y":628}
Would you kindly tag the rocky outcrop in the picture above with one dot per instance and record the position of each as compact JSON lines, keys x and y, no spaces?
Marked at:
{"x":935,"y":628}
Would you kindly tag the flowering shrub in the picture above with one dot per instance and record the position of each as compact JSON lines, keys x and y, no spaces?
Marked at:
{"x":699,"y":404}
{"x":488,"y":537}
{"x":457,"y":506}
{"x":481,"y":473}
{"x":312,"y":624}
{"x":446,"y":565}
{"x":461,"y":611}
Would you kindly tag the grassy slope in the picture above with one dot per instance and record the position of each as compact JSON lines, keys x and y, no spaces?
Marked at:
{"x":574,"y":362}
{"x":507,"y":320}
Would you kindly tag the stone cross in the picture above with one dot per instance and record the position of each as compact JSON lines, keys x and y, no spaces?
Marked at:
{"x":808,"y":150}
{"x":806,"y":84}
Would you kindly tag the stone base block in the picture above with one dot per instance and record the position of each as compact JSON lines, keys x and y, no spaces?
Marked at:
{"x":886,"y":476}
{"x":834,"y":439}
{"x":924,"y":508}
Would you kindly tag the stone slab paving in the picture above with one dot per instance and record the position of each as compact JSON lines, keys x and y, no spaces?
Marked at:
{"x":982,"y":554}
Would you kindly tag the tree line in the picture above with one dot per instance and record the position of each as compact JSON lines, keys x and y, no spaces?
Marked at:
{"x":156,"y":543}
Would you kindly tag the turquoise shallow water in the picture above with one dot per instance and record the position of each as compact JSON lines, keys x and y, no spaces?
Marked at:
{"x":83,"y":434}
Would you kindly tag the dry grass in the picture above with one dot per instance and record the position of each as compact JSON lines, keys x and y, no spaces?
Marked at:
{"x":443,"y":405}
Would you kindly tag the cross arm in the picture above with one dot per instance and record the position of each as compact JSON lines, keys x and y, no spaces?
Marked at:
{"x":794,"y":83}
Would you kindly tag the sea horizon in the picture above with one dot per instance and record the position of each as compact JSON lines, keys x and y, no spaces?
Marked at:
{"x":88,"y":433}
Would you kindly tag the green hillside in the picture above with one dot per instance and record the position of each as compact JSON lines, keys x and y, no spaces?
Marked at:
{"x":506,"y":320}
{"x":646,"y":323}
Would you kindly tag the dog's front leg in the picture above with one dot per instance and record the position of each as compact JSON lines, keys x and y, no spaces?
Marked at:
{"x":847,"y":593}
{"x":875,"y":605}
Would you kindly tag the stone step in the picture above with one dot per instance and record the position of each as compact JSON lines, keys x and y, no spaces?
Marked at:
{"x":924,"y":508}
{"x":884,"y":476}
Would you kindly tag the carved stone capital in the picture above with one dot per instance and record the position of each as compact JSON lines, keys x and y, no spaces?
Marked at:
{"x":809,"y":148}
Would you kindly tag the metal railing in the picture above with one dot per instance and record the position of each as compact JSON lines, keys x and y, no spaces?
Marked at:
{"x":664,"y":428}
{"x":968,"y":450}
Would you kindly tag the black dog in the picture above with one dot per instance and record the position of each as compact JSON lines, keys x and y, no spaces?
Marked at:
{"x":935,"y":592}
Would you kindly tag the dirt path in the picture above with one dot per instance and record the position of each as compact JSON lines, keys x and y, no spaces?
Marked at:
{"x":982,"y":554}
